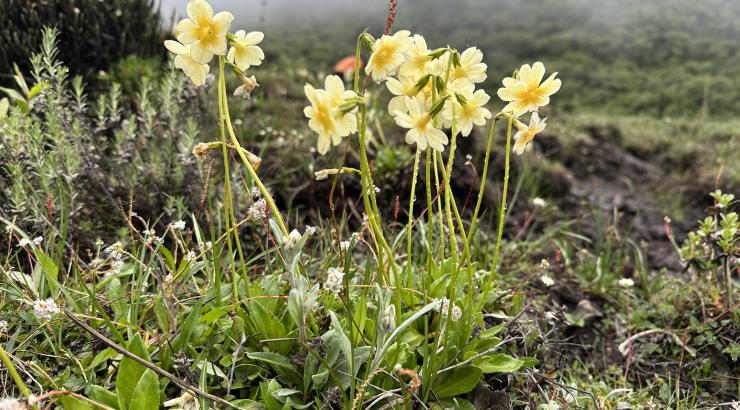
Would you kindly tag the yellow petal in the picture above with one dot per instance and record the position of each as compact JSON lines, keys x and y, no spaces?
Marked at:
{"x":200,"y":12}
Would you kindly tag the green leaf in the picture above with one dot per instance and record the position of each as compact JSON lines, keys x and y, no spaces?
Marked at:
{"x":458,"y":381}
{"x":129,"y":372}
{"x":186,"y":329}
{"x":146,"y":394}
{"x":276,"y":361}
{"x":499,"y":363}
{"x":101,"y":395}
{"x":72,"y":403}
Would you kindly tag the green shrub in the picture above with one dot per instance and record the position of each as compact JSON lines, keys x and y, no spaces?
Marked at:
{"x":93,"y":34}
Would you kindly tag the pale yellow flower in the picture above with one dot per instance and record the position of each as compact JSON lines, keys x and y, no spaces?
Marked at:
{"x":471,"y":66}
{"x":401,"y":88}
{"x":204,"y":32}
{"x":185,"y":62}
{"x":526,"y":133}
{"x":421,"y":127}
{"x":525,"y":93}
{"x":388,"y":55}
{"x":471,"y":112}
{"x":244,"y":51}
{"x":324,"y":116}
{"x":417,"y":58}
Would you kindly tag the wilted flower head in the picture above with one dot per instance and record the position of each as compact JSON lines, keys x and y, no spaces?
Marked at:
{"x":388,"y":55}
{"x":248,"y":85}
{"x":184,"y":402}
{"x":526,"y":133}
{"x":204,"y":32}
{"x":334,"y":279}
{"x":45,"y":309}
{"x":244,"y":51}
{"x":525,"y":93}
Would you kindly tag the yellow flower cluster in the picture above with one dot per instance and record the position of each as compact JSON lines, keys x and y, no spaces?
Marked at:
{"x":412,"y":71}
{"x":203,"y":35}
{"x":526,"y":92}
{"x":433,"y":90}
{"x":326,"y":114}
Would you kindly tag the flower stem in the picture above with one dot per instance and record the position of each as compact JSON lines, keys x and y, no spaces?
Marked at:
{"x":484,"y":177}
{"x":411,"y":212}
{"x":14,"y":373}
{"x":502,"y":212}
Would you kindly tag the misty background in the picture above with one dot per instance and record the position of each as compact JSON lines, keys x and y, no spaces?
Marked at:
{"x":658,"y":57}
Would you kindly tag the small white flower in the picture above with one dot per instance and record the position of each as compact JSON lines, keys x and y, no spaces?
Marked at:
{"x":456,"y":313}
{"x":12,"y":404}
{"x":551,"y":317}
{"x":191,"y":256}
{"x":24,"y":242}
{"x":544,"y":264}
{"x":258,"y":210}
{"x":356,"y":236}
{"x":3,"y":327}
{"x":45,"y":309}
{"x":626,"y":282}
{"x":311,"y":230}
{"x":178,"y":225}
{"x":256,"y":193}
{"x":539,"y":202}
{"x":547,"y":280}
{"x":292,"y":240}
{"x":334,"y":279}
{"x":344,"y":246}
{"x":37,"y":240}
{"x":388,"y":320}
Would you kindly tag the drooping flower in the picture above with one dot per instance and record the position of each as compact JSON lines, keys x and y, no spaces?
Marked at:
{"x":526,"y":133}
{"x":244,"y":51}
{"x":422,"y":131}
{"x":417,"y":58}
{"x":471,"y":67}
{"x":204,"y":32}
{"x":324,"y":115}
{"x":469,"y":109}
{"x":525,"y":93}
{"x":248,"y":85}
{"x":388,"y":55}
{"x":185,"y":62}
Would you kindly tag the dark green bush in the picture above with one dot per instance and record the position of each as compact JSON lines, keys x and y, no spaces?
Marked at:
{"x":93,"y":34}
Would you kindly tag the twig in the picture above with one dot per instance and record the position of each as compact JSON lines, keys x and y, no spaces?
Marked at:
{"x":183,"y":384}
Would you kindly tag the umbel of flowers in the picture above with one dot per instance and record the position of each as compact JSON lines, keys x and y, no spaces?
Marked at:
{"x":436,"y":97}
